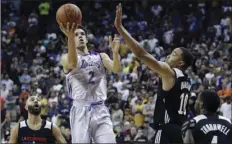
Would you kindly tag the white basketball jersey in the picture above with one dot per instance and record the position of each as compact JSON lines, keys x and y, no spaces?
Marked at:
{"x":88,"y":80}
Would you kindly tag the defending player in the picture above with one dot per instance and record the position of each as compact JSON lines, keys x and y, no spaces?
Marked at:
{"x":172,"y":101}
{"x":87,"y":85}
{"x":34,"y":129}
{"x":209,"y":127}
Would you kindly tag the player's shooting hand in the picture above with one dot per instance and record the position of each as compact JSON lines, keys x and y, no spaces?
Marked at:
{"x":118,"y":19}
{"x":69,"y":29}
{"x":114,"y":44}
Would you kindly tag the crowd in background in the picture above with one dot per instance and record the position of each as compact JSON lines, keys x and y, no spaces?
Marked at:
{"x":32,"y":45}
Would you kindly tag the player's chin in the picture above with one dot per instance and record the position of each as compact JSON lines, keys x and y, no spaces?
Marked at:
{"x":81,"y":46}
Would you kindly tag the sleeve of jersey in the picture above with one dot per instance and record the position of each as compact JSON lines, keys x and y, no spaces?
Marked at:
{"x":189,"y":125}
{"x":67,"y":71}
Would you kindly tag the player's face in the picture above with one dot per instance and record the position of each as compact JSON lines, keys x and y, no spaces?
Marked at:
{"x":175,"y":58}
{"x":33,"y":105}
{"x":80,"y":39}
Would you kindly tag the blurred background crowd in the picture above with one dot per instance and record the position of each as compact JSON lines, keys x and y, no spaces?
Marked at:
{"x":32,"y":44}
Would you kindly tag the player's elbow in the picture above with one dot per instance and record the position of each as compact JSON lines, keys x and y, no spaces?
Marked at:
{"x":141,"y":53}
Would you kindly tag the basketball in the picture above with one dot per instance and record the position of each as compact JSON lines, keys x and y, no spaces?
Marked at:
{"x":68,"y":13}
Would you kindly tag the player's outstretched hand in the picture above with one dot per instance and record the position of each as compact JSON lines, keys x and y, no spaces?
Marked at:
{"x":69,"y":29}
{"x":114,"y":44}
{"x":118,"y":19}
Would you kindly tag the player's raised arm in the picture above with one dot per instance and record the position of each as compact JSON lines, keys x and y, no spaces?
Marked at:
{"x":115,"y":65}
{"x":70,"y":60}
{"x":14,"y":134}
{"x":57,"y":134}
{"x":161,"y":68}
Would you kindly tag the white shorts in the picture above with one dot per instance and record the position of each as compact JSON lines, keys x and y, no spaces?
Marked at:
{"x":91,"y":121}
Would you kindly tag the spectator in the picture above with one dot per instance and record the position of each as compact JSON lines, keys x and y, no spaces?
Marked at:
{"x":138,"y":112}
{"x":148,"y":110}
{"x":4,"y":91}
{"x":44,"y":107}
{"x":8,"y":82}
{"x":226,"y":108}
{"x":117,"y":115}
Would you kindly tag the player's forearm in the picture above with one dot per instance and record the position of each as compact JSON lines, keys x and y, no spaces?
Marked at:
{"x":72,"y":54}
{"x":116,"y":63}
{"x":132,"y":44}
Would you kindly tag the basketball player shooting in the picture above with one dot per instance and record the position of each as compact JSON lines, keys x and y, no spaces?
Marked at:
{"x":34,"y":129}
{"x":174,"y":90}
{"x":86,"y":81}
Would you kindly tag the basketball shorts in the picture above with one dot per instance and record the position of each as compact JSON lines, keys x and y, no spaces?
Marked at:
{"x":168,"y":134}
{"x":91,"y":121}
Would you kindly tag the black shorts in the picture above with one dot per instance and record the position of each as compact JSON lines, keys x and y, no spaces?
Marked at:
{"x":168,"y":134}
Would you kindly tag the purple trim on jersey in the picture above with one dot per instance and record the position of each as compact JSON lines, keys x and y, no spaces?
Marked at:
{"x":93,"y":53}
{"x":67,"y":72}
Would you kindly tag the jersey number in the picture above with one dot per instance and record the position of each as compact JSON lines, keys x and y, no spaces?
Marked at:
{"x":214,"y":140}
{"x":91,"y":75}
{"x":183,"y":103}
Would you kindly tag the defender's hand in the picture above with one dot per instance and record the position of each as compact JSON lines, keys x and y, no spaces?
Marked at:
{"x":115,"y":44}
{"x":118,"y":19}
{"x":69,"y":29}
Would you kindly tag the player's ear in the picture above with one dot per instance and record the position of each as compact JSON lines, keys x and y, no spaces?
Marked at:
{"x":201,"y":105}
{"x":26,"y":106}
{"x":181,"y":63}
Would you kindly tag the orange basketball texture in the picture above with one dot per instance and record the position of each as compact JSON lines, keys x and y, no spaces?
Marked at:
{"x":69,"y":13}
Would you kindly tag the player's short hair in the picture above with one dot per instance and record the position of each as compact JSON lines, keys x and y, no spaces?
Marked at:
{"x":83,"y":28}
{"x":187,"y":57}
{"x":210,"y":100}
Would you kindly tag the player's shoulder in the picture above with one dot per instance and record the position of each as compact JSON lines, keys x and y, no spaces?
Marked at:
{"x":178,"y":72}
{"x":199,"y":118}
{"x":48,"y":124}
{"x":22,"y":124}
{"x":225,"y":119}
{"x":192,"y":123}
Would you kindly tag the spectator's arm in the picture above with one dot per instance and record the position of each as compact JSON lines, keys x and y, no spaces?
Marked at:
{"x":186,"y":131}
{"x":188,"y":138}
{"x":14,"y":134}
{"x":121,"y":116}
{"x":57,"y":134}
{"x":133,"y":109}
{"x":151,"y":133}
{"x":145,"y":112}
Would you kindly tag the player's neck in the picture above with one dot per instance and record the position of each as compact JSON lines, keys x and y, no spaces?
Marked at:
{"x":209,"y":113}
{"x":84,"y":51}
{"x":32,"y":119}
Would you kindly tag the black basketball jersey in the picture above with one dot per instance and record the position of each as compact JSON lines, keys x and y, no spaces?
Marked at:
{"x":171,"y":106}
{"x":210,"y":129}
{"x":41,"y":136}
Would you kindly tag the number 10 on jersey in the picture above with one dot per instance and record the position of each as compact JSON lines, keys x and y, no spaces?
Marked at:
{"x":183,"y":103}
